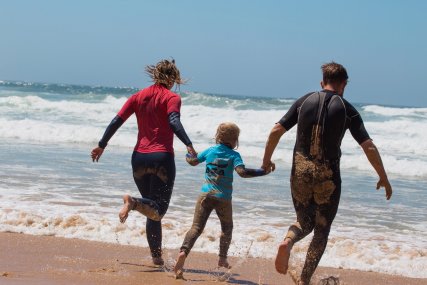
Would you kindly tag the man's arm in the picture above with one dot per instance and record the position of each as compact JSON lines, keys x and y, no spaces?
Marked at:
{"x":374,"y":158}
{"x":273,"y":139}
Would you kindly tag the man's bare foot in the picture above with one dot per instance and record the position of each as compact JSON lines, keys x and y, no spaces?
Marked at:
{"x":282,"y":257}
{"x":223,"y":262}
{"x":179,"y":265}
{"x":128,"y":205}
{"x":158,"y":261}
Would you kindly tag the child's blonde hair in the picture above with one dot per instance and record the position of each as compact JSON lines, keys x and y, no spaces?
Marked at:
{"x":228,"y":133}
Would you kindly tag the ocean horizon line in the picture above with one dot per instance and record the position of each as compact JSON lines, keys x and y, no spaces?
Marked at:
{"x":129,"y":90}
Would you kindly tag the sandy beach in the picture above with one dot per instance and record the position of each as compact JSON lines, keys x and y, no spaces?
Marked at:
{"x":30,"y":259}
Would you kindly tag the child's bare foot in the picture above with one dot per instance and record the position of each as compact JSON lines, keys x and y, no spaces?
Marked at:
{"x":179,"y":265}
{"x":158,"y":261}
{"x":223,"y":262}
{"x":282,"y":257}
{"x":128,"y":205}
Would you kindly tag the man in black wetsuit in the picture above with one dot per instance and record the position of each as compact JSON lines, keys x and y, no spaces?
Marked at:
{"x":322,"y":119}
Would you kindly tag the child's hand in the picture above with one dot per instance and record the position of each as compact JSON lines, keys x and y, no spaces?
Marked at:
{"x":191,"y":159}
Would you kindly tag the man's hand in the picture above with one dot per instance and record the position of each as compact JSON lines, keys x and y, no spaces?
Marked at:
{"x":268,"y":167}
{"x":386,"y":184}
{"x":273,"y":139}
{"x":374,"y":158}
{"x":96,"y":153}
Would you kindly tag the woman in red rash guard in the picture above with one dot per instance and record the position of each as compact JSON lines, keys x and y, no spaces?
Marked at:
{"x":157,"y":110}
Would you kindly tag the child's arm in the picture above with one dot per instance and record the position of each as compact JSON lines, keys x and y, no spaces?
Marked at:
{"x":192,"y":159}
{"x":250,"y":172}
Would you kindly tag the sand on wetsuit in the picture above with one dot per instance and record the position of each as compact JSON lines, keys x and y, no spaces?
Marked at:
{"x":322,"y":118}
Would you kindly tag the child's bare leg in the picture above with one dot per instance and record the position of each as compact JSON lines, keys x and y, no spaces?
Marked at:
{"x":223,"y":262}
{"x":179,"y":265}
{"x":127,"y":207}
{"x":283,"y":254}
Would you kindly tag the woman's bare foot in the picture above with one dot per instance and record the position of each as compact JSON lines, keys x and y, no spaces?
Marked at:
{"x":128,"y":205}
{"x":179,"y":265}
{"x":282,"y":257}
{"x":223,"y":262}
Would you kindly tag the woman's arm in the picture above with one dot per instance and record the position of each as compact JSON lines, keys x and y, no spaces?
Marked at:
{"x":179,"y":131}
{"x":115,"y":124}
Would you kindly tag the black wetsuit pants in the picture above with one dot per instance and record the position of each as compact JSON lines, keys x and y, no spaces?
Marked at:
{"x":315,"y":211}
{"x":154,"y":175}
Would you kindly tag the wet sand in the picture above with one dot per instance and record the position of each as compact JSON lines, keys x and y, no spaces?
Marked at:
{"x":28,"y":259}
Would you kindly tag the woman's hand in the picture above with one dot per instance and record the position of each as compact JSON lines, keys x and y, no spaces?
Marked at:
{"x":191,"y":151}
{"x":96,"y":153}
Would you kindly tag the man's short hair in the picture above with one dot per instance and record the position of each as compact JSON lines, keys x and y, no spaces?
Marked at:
{"x":334,"y":73}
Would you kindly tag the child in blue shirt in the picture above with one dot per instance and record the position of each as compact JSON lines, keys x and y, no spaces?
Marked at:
{"x":217,"y":190}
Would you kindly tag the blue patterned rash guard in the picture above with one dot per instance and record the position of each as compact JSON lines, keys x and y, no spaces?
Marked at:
{"x":220,"y":164}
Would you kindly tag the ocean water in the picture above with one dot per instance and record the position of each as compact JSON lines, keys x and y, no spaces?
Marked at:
{"x":50,"y":186}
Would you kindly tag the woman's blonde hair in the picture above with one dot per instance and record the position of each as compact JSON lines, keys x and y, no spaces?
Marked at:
{"x":227,"y":133}
{"x":164,"y":72}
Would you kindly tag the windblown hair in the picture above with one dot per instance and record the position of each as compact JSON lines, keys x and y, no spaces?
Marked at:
{"x":164,"y":72}
{"x":334,"y":73}
{"x":228,"y":134}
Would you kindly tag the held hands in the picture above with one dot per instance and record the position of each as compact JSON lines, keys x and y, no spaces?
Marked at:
{"x":268,"y":167}
{"x":191,"y":159}
{"x":191,"y":156}
{"x":191,"y":151}
{"x":386,"y":184}
{"x":96,"y":153}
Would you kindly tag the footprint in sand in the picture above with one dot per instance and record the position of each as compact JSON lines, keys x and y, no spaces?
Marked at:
{"x":331,"y":280}
{"x":225,"y":277}
{"x":112,"y":270}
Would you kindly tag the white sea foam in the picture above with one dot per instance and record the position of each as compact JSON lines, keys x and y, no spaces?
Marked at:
{"x":401,"y":142}
{"x":367,"y":251}
{"x":396,"y":111}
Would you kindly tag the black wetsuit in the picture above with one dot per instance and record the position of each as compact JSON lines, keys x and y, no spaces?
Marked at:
{"x":154,"y":175}
{"x":322,"y":119}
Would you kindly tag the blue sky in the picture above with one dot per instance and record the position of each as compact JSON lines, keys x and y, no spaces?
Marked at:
{"x":233,"y":47}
